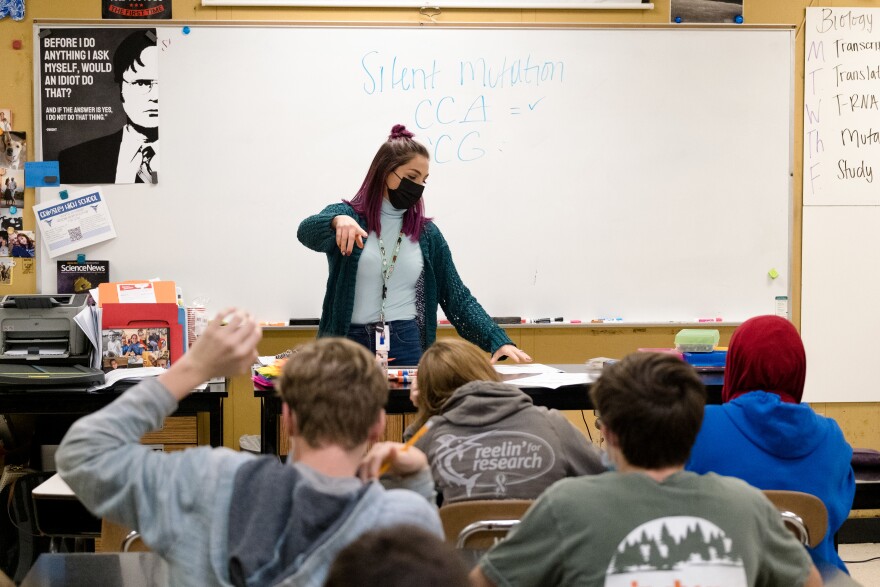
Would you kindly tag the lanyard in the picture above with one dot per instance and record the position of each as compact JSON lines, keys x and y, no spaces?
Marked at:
{"x":387,"y":270}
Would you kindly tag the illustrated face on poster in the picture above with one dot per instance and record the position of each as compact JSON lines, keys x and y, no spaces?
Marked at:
{"x":11,"y":190}
{"x":126,"y":348}
{"x":99,"y":99}
{"x":140,"y":90}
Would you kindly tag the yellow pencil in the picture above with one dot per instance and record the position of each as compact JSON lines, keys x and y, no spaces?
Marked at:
{"x":413,"y":439}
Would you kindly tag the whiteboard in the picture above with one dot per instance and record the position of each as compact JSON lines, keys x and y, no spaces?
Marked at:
{"x":841,"y":107}
{"x":839,"y":316}
{"x":640,"y":173}
{"x":841,"y":214}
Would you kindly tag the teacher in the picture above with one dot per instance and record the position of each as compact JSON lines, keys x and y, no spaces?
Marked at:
{"x":390,"y":266}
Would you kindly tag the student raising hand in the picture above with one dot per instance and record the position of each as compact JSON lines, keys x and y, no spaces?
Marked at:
{"x":227,"y":347}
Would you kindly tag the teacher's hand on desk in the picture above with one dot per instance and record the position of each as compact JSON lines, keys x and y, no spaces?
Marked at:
{"x":513,"y":353}
{"x":222,"y":350}
{"x":348,"y":234}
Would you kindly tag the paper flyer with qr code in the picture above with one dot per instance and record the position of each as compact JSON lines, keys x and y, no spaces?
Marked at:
{"x":70,"y":224}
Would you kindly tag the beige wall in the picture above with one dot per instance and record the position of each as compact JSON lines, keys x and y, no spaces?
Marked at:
{"x":546,"y":345}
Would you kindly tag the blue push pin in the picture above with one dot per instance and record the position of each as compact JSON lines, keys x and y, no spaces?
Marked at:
{"x":186,"y":30}
{"x":13,"y":209}
{"x":63,"y":194}
{"x":738,"y":19}
{"x":81,"y":258}
{"x":678,"y":19}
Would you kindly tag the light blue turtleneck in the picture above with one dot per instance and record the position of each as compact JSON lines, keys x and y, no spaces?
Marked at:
{"x":401,"y":302}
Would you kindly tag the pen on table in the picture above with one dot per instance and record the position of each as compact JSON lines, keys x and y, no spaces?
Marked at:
{"x":413,"y":439}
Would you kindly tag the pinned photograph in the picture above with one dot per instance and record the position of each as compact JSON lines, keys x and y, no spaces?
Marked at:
{"x":22,"y":243}
{"x":11,"y":188}
{"x":6,"y":266}
{"x":705,"y":11}
{"x":5,"y":119}
{"x":13,"y":150}
{"x":10,"y":220}
{"x":128,"y":348}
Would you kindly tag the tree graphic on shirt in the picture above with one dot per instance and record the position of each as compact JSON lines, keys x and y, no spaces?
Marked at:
{"x":653,"y":546}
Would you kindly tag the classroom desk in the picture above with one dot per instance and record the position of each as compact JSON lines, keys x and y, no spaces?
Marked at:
{"x":132,"y":569}
{"x":31,"y":401}
{"x":58,"y":512}
{"x":567,"y":397}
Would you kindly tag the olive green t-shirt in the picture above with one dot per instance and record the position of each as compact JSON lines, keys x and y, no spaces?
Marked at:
{"x":625,"y":529}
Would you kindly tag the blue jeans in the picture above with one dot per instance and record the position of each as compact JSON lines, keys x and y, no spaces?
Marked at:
{"x":406,"y":346}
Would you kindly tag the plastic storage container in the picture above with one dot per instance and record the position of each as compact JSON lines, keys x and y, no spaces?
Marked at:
{"x":697,"y":340}
{"x":714,"y":361}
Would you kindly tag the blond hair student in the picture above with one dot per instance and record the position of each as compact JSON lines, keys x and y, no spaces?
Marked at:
{"x":220,"y":517}
{"x":487,"y":440}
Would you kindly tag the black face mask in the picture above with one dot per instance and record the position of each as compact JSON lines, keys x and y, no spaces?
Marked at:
{"x":406,"y":195}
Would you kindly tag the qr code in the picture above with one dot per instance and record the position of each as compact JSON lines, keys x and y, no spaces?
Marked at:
{"x":75,"y":233}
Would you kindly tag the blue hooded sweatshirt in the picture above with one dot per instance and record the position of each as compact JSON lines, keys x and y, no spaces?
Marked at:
{"x":775,"y":445}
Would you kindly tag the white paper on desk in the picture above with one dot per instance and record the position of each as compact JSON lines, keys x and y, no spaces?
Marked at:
{"x":81,"y":220}
{"x":535,"y":368}
{"x":551,"y":380}
{"x":111,"y":378}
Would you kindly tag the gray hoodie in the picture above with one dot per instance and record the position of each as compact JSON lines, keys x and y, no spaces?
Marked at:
{"x":492,"y":442}
{"x":220,"y":517}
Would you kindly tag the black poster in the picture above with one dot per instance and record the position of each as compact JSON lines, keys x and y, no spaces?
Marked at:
{"x":141,"y":9}
{"x":74,"y":277}
{"x":99,"y":95}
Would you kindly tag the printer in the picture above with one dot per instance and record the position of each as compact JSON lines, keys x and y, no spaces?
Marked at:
{"x":42,"y":345}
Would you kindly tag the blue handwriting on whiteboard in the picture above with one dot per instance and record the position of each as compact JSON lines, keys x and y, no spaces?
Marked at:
{"x":447,"y":148}
{"x":518,"y":72}
{"x":447,"y":113}
{"x":399,"y":77}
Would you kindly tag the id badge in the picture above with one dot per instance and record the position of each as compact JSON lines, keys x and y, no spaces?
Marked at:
{"x":383,"y":338}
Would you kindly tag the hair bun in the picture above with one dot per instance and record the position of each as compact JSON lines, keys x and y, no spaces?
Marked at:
{"x":398,"y":131}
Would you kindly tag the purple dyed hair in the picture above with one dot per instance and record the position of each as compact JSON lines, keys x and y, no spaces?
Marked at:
{"x":398,"y":150}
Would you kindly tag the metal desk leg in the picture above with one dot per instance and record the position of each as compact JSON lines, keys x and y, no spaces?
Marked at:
{"x":269,"y":425}
{"x":216,"y":423}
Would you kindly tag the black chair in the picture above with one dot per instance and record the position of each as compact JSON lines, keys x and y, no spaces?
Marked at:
{"x":21,"y":512}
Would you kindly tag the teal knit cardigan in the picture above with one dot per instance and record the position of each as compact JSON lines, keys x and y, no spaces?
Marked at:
{"x":438,"y":284}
